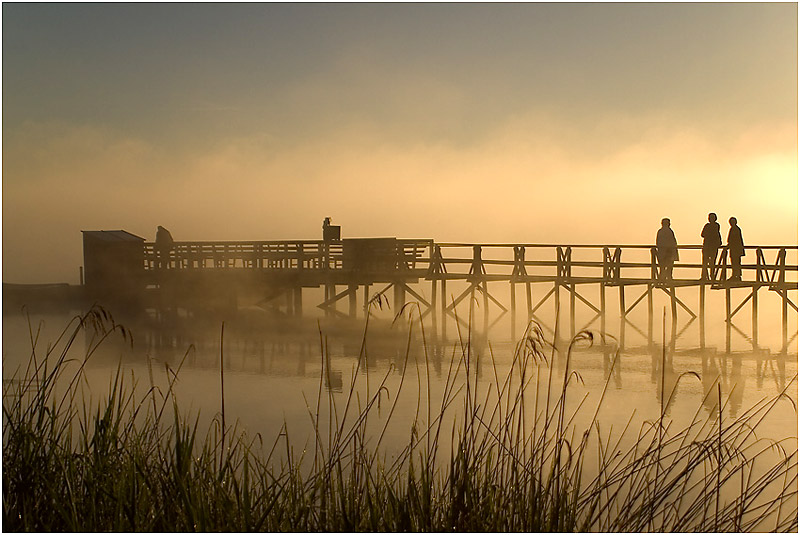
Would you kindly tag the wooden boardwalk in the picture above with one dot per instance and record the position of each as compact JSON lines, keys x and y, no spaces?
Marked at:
{"x":282,"y":269}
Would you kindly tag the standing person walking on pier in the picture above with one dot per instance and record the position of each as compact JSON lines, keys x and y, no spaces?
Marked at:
{"x":712,"y":241}
{"x":735,"y":249}
{"x":666,"y":250}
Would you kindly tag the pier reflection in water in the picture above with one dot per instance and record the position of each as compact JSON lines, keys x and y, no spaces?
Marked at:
{"x":273,"y":379}
{"x":272,"y":375}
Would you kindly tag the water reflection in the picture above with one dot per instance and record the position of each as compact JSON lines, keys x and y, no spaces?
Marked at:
{"x":306,"y":350}
{"x":383,"y":347}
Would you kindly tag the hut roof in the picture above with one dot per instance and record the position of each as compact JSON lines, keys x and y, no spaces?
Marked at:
{"x":112,"y":235}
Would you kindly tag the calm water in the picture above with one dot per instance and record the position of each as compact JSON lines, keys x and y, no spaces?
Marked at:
{"x":272,"y":376}
{"x":277,"y":376}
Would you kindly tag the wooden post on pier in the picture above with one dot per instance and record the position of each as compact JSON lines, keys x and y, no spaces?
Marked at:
{"x":653,"y":277}
{"x":399,"y":296}
{"x":702,"y":315}
{"x":330,"y":292}
{"x":434,"y":313}
{"x":784,"y":323}
{"x":674,"y":309}
{"x":444,"y":309}
{"x":650,"y":315}
{"x":783,"y":291}
{"x":366,"y":301}
{"x":603,"y":310}
{"x":572,"y":310}
{"x":519,"y":272}
{"x":513,"y":295}
{"x":727,"y":320}
{"x":529,"y":300}
{"x":436,"y":271}
{"x":352,"y":288}
{"x":288,"y":300}
{"x":485,"y":308}
{"x":755,"y":318}
{"x":476,"y":279}
{"x":298,"y":301}
{"x":621,"y":316}
{"x":557,"y":301}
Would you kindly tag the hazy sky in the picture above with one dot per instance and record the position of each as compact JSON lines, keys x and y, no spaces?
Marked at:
{"x":546,"y":123}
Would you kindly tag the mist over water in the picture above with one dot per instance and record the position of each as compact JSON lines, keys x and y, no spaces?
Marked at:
{"x":296,"y":381}
{"x":273,"y":375}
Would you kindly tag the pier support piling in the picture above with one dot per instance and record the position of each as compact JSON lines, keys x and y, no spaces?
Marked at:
{"x":330,"y":292}
{"x":485,"y":308}
{"x":513,"y":296}
{"x":529,"y":298}
{"x":650,"y":315}
{"x":728,"y":320}
{"x":572,"y":311}
{"x":673,"y":301}
{"x":399,"y":296}
{"x":621,"y":316}
{"x":702,"y":311}
{"x":603,"y":311}
{"x":434,"y":312}
{"x":784,"y":323}
{"x":557,"y":301}
{"x":755,"y":318}
{"x":444,"y":309}
{"x":353,"y":289}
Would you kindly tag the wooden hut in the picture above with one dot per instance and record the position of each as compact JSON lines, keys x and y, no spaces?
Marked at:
{"x":113,"y":263}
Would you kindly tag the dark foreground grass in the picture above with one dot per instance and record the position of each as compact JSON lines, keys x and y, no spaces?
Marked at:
{"x":504,"y":458}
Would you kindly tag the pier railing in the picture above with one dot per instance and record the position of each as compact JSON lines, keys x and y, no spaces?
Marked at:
{"x":282,"y":255}
{"x":613,"y":264}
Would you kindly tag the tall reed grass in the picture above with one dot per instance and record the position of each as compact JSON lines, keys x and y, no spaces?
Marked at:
{"x":504,"y":457}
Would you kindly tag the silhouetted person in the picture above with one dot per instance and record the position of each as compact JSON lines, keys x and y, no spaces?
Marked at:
{"x":164,"y":244}
{"x":666,"y":250}
{"x":712,"y":241}
{"x":735,"y":249}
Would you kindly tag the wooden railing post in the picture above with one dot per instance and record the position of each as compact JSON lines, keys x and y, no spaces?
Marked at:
{"x":724,"y":268}
{"x":654,"y":264}
{"x":519,"y":263}
{"x":477,"y":269}
{"x":564,"y":262}
{"x":760,"y":265}
{"x":299,"y":254}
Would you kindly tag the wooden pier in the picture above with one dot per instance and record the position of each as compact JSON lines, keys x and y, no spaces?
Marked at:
{"x":447,"y":277}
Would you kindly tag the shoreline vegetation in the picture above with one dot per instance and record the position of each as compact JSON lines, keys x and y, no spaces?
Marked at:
{"x":504,"y":456}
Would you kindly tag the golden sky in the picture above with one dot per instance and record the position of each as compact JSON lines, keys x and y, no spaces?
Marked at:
{"x":533,"y":123}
